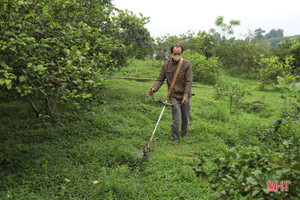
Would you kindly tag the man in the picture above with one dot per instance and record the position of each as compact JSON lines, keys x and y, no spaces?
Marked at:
{"x":181,"y":93}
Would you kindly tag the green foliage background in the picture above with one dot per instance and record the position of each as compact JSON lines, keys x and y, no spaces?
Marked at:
{"x":85,"y":138}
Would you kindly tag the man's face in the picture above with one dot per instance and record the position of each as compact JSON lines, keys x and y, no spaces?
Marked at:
{"x":177,"y":51}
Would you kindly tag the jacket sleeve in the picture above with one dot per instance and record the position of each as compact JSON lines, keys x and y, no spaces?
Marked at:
{"x":161,"y":78}
{"x":188,"y":82}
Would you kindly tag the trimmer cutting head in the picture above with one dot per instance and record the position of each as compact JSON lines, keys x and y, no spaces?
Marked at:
{"x":146,"y":151}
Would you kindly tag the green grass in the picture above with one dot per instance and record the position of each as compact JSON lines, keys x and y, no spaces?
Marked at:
{"x":141,"y":69}
{"x":61,"y":158}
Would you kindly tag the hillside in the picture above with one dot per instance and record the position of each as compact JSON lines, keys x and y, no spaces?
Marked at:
{"x":95,"y":151}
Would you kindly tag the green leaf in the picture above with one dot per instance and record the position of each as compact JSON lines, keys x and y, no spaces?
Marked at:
{"x":247,"y":188}
{"x":21,"y":3}
{"x":28,"y":15}
{"x":2,"y":81}
{"x":45,"y":9}
{"x":282,"y":172}
{"x":229,"y":177}
{"x":86,"y":95}
{"x":8,"y":84}
{"x":22,"y":78}
{"x":23,"y":35}
{"x":285,"y":143}
{"x":232,"y":152}
{"x":240,"y":178}
{"x":255,"y":192}
{"x":13,"y":48}
{"x":297,"y":85}
{"x":4,"y":47}
{"x":281,"y":81}
{"x":251,"y":180}
{"x":223,"y":192}
{"x":257,"y":173}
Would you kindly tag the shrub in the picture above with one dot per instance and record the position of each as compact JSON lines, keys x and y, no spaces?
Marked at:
{"x":55,"y":52}
{"x":289,"y":47}
{"x":270,"y":68}
{"x":245,"y":172}
{"x":239,"y":57}
{"x":204,"y":70}
{"x":236,"y":95}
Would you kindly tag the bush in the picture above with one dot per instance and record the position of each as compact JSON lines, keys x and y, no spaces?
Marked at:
{"x":270,"y":68}
{"x":290,"y":47}
{"x":204,"y":70}
{"x":55,"y":52}
{"x":245,"y":171}
{"x":236,"y":95}
{"x":239,"y":57}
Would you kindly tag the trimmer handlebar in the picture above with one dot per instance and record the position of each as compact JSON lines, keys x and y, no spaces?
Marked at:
{"x":163,"y":103}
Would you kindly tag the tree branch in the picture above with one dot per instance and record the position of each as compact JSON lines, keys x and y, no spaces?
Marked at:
{"x":36,"y":110}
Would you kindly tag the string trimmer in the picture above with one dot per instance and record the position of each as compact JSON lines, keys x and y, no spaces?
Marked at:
{"x":146,"y":150}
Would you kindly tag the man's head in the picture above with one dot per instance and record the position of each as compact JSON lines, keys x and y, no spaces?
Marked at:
{"x":177,"y":45}
{"x":176,"y":51}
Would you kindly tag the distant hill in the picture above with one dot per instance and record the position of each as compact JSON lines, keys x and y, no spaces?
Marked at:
{"x":275,"y":41}
{"x":295,"y":36}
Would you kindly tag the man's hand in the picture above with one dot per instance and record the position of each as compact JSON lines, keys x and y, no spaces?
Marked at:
{"x":152,"y":91}
{"x":184,"y":100}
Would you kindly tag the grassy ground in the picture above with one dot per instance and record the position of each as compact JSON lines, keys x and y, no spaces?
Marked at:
{"x":96,"y":152}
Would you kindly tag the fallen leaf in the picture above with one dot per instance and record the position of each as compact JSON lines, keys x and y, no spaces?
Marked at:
{"x":45,"y":164}
{"x":67,"y":180}
{"x":95,"y":182}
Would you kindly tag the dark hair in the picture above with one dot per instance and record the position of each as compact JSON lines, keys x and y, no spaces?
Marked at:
{"x":176,"y":45}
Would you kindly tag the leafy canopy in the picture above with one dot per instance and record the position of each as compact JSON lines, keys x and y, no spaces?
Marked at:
{"x":58,"y":51}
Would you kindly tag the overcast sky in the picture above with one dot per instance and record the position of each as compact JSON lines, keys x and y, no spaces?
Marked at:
{"x":177,"y":16}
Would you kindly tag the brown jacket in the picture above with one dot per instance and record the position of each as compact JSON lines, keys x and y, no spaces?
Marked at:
{"x":183,"y":85}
